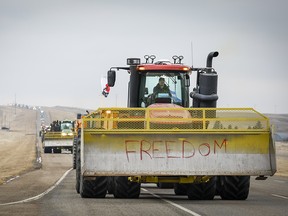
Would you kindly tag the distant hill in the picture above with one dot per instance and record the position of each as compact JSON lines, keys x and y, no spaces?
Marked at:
{"x":71,"y":109}
{"x":280,"y":122}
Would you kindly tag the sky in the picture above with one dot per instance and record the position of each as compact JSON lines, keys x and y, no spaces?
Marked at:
{"x":54,"y":53}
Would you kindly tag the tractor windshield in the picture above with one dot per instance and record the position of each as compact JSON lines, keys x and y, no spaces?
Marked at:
{"x":66,"y":126}
{"x":163,"y":87}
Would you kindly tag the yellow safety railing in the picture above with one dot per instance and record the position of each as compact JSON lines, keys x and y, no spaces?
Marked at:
{"x":176,"y":120}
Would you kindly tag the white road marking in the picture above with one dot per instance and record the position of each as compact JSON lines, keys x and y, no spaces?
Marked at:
{"x":40,"y":195}
{"x":11,"y":179}
{"x":172,"y":203}
{"x":279,"y":196}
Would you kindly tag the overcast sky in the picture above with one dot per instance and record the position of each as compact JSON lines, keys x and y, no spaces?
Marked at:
{"x":54,"y":52}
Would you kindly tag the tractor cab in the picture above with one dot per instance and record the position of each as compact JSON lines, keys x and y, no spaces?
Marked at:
{"x":159,"y":82}
{"x":164,"y":86}
{"x":167,"y":82}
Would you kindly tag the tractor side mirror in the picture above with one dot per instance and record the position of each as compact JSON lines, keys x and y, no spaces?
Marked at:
{"x":111,"y":77}
{"x":146,"y":91}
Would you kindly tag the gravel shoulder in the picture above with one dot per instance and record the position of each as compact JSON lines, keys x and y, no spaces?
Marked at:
{"x":21,"y":176}
{"x":17,"y":154}
{"x":282,"y":158}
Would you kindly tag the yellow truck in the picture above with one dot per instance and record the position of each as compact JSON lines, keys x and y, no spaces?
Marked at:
{"x":201,"y":150}
{"x":58,"y":136}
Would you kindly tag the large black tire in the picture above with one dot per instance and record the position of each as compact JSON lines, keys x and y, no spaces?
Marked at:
{"x":123,"y":188}
{"x":202,"y":191}
{"x":94,"y":188}
{"x":180,"y":189}
{"x":57,"y":150}
{"x":234,"y":187}
{"x":78,"y":166}
{"x":74,"y":151}
{"x":110,"y":187}
{"x":70,"y":149}
{"x":47,"y":150}
{"x":218,"y":185}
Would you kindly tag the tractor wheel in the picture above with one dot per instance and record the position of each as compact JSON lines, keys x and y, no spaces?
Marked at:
{"x":234,"y":187}
{"x":180,"y":189}
{"x":93,"y":188}
{"x":78,"y":165}
{"x":123,"y":188}
{"x":218,"y":185}
{"x":202,"y":191}
{"x":57,"y":150}
{"x":74,"y":152}
{"x":47,"y":150}
{"x":110,"y":187}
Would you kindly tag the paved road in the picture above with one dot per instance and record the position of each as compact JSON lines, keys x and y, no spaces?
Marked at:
{"x":268,"y":197}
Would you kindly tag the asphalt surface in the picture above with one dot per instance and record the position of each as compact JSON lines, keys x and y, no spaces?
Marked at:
{"x":269,"y":197}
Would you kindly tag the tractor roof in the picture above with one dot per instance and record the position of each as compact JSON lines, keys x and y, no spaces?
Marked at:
{"x":164,"y":67}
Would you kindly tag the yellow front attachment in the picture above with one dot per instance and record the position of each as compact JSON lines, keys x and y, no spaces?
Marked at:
{"x":58,"y":135}
{"x":177,"y":142}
